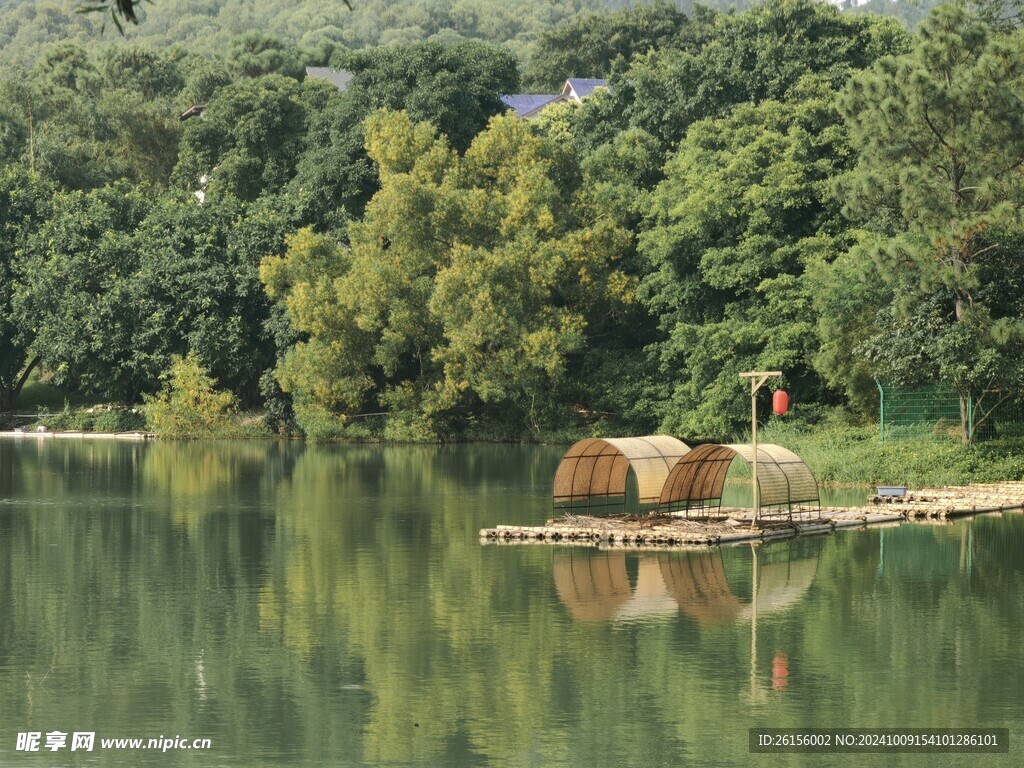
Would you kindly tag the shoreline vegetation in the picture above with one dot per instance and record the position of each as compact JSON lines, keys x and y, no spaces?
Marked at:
{"x":227,"y":243}
{"x":839,"y":451}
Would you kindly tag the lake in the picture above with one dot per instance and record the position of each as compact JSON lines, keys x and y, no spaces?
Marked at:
{"x":332,"y":605}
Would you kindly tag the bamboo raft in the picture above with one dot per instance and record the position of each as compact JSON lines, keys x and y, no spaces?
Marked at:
{"x":732,"y":526}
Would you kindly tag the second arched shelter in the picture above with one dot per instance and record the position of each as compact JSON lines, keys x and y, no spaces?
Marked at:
{"x":697,"y":481}
{"x":594,"y":472}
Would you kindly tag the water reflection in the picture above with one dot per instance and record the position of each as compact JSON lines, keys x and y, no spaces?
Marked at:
{"x":700,"y":586}
{"x":330,"y":605}
{"x":596,"y":586}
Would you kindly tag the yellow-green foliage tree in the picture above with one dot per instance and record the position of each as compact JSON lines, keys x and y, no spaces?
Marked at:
{"x":467,"y":289}
{"x":189,"y":405}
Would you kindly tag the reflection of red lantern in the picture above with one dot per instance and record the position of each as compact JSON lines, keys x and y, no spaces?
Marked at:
{"x":780,"y":671}
{"x":780,"y":402}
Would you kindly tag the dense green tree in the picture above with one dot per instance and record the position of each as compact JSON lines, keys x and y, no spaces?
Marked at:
{"x":140,"y":70}
{"x":852,"y":306}
{"x":744,"y":211}
{"x":940,"y":135}
{"x":85,"y":121}
{"x":247,"y":140}
{"x":203,"y":76}
{"x":65,"y":141}
{"x":256,"y":53}
{"x":16,"y":119}
{"x":74,"y":292}
{"x":468,"y":284}
{"x":196,"y":288}
{"x":455,"y":86}
{"x":24,"y":201}
{"x":115,"y":284}
{"x":612,"y":378}
{"x":334,"y":178}
{"x":761,"y":54}
{"x":591,"y":44}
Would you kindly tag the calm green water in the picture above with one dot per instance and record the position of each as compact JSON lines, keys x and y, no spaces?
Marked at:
{"x":302,"y":605}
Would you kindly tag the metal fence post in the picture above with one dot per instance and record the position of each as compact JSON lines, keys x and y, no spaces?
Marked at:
{"x":881,"y":411}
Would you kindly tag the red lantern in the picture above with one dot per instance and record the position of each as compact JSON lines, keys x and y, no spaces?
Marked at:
{"x":780,"y":402}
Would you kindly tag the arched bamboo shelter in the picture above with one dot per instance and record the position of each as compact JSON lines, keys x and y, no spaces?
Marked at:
{"x":697,"y":480}
{"x":593,"y":472}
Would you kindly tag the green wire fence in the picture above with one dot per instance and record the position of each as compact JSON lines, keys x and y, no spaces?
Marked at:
{"x":936,"y":412}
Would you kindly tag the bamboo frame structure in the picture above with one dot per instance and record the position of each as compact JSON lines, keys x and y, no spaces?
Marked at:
{"x":697,"y":481}
{"x":593,"y":472}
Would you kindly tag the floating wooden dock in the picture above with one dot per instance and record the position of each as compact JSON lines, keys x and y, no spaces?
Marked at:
{"x":729,"y":526}
{"x":671,"y":531}
{"x":954,"y":501}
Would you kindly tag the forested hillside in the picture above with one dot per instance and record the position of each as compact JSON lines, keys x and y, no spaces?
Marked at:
{"x":207,"y":26}
{"x":791,"y":187}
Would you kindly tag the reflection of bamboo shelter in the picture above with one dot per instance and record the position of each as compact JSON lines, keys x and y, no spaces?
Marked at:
{"x":596,"y":587}
{"x":781,"y":585}
{"x":593,"y":586}
{"x":650,"y":598}
{"x":593,"y":472}
{"x":697,"y":481}
{"x":700,"y":587}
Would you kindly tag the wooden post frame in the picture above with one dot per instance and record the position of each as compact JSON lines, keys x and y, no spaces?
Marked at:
{"x":757,"y":380}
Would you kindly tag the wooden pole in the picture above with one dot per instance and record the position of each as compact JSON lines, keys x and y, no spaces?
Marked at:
{"x":757,"y":380}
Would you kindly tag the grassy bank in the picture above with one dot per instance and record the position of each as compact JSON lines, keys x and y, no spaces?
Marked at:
{"x":843,"y":454}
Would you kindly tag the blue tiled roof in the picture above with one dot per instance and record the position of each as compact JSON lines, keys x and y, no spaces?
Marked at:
{"x":584,"y":87}
{"x":524,"y":103}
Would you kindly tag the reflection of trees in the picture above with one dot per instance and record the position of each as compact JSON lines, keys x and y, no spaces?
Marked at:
{"x":381,"y":544}
{"x":197,"y":478}
{"x":114,"y":614}
{"x":77,"y":470}
{"x":322,"y":600}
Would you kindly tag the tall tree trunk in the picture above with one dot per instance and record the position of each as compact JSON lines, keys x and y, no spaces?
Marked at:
{"x":958,"y":260}
{"x":9,"y":392}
